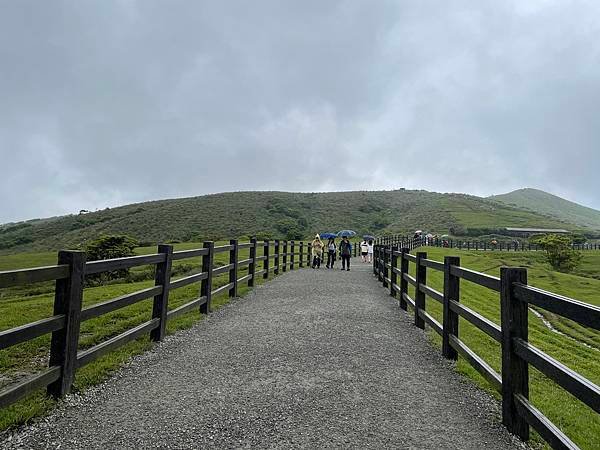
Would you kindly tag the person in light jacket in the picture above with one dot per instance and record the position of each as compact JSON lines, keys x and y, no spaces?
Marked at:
{"x":317,"y":251}
{"x":331,"y":250}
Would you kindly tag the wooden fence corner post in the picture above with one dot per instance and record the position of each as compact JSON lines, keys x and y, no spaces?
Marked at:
{"x":292,"y":245}
{"x":450,"y":318}
{"x":301,"y":255}
{"x":515,"y":371}
{"x":403,"y":282}
{"x":393,"y":269}
{"x":421,"y":273}
{"x":266,"y":253}
{"x":162,"y":277}
{"x":206,"y":284}
{"x":252,"y":265}
{"x":68,"y":297}
{"x":285,"y":256}
{"x":233,"y":272}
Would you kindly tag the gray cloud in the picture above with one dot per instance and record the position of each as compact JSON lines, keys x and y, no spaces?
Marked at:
{"x":104,"y":103}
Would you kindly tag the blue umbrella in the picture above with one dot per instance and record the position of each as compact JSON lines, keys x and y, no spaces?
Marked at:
{"x":328,"y":235}
{"x":346,"y":233}
{"x":368,"y":237}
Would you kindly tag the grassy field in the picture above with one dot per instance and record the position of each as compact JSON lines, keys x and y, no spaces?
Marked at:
{"x":578,"y":348}
{"x":22,"y":305}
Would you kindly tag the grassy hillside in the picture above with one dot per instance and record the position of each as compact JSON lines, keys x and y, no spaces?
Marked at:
{"x":271,"y":214}
{"x":544,"y":203}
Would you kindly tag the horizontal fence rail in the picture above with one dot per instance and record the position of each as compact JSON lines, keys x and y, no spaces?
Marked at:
{"x":265,"y":258}
{"x":391,"y":266}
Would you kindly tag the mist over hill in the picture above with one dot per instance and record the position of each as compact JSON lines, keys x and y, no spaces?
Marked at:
{"x":276,"y":215}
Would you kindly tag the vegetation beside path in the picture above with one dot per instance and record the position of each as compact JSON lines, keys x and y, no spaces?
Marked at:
{"x":26,"y":304}
{"x":575,"y":346}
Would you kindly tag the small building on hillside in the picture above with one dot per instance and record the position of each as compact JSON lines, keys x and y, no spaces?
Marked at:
{"x":526,"y":232}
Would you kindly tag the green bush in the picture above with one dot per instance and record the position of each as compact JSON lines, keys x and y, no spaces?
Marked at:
{"x":109,"y":247}
{"x":559,"y":252}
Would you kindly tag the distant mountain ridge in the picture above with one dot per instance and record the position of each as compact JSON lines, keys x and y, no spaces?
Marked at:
{"x":276,"y":215}
{"x":544,"y":203}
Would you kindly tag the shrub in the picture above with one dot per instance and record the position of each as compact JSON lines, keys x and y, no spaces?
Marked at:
{"x":109,"y":247}
{"x":559,"y":252}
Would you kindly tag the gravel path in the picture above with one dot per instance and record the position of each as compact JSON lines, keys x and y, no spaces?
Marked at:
{"x":313,"y":359}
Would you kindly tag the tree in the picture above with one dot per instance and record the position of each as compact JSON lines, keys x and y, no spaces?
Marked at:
{"x":559,"y":252}
{"x":290,"y":228}
{"x":109,"y":247}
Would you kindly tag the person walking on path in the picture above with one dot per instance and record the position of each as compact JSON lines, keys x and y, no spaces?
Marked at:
{"x":345,"y":252}
{"x":370,"y":251}
{"x":364,"y":250}
{"x":317,"y":251}
{"x":330,"y":253}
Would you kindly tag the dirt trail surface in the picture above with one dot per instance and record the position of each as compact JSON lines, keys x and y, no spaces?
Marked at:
{"x":314,"y":359}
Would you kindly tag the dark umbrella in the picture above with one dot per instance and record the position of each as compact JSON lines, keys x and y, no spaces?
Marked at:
{"x":346,"y":233}
{"x":328,"y":235}
{"x":368,"y":237}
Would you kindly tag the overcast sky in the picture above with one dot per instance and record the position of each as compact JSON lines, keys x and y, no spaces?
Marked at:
{"x":112,"y":102}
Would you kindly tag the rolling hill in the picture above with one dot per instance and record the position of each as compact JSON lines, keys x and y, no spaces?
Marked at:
{"x":547,"y":204}
{"x":273,"y":214}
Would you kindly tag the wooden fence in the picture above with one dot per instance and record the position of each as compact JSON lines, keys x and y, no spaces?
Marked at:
{"x":265,"y":258}
{"x":478,"y":245}
{"x":391,"y":266}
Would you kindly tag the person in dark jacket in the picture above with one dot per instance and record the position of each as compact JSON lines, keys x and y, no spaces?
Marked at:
{"x":345,"y":252}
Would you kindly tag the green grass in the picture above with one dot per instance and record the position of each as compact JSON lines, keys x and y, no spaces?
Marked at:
{"x":580,"y":350}
{"x":27,"y":304}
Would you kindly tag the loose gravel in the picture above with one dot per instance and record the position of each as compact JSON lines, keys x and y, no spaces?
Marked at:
{"x":314,"y":359}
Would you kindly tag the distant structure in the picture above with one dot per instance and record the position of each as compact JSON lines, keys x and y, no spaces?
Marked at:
{"x":526,"y":232}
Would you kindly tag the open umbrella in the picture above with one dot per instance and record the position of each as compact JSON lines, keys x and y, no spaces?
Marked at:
{"x":328,"y":235}
{"x":346,"y":233}
{"x":368,"y":237}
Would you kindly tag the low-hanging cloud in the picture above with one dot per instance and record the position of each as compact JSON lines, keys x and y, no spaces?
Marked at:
{"x":113,"y":102}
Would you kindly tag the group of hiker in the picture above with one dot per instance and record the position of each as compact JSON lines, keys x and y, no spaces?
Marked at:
{"x":344,"y":250}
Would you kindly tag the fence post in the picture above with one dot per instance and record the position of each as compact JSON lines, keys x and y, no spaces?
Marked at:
{"x":515,"y":371}
{"x":403,"y":282}
{"x":375,"y":256}
{"x":162,"y":277}
{"x":301,"y":255}
{"x":233,"y":259}
{"x":386,"y":259}
{"x":206,"y":284}
{"x":380,"y":256}
{"x":292,"y":244}
{"x":421,"y":272}
{"x":393,"y":274}
{"x":276,"y":259}
{"x":252,"y":265}
{"x":266,"y":252}
{"x":450,"y":318}
{"x":67,"y":300}
{"x":309,"y":254}
{"x":284,"y":262}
